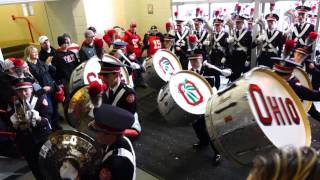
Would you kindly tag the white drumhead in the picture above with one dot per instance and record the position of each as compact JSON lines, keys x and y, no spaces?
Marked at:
{"x":91,"y":70}
{"x":277,"y":109}
{"x":190,"y":91}
{"x":302,"y":76}
{"x":165,"y":63}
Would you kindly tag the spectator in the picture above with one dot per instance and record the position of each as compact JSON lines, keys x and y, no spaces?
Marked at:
{"x":72,"y":46}
{"x":47,"y":52}
{"x":87,"y":49}
{"x":65,"y":61}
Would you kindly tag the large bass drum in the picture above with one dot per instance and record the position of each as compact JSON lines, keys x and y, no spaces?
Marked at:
{"x":254,"y":115}
{"x":85,"y":73}
{"x":77,"y":148}
{"x":184,"y":98}
{"x":302,"y":76}
{"x":160,"y":67}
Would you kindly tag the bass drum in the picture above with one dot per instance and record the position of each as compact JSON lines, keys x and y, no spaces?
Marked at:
{"x":85,"y":73}
{"x":160,"y":67}
{"x":184,"y":98}
{"x":254,"y":115}
{"x":125,"y":77}
{"x":77,"y":148}
{"x":302,"y":76}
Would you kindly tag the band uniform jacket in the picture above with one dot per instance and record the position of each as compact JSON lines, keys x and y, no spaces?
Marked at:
{"x":301,"y":33}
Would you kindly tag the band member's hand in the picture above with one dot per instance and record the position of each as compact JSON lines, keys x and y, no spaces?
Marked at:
{"x":260,"y":39}
{"x":247,"y":64}
{"x":33,"y":115}
{"x":46,"y":88}
{"x":226,"y":72}
{"x":206,"y":43}
{"x":14,"y":120}
{"x":178,"y":48}
{"x":67,"y":171}
{"x":105,"y":174}
{"x":311,"y":66}
{"x":223,"y":60}
{"x":205,"y":63}
{"x":230,"y":40}
{"x":135,"y":65}
{"x":132,"y":56}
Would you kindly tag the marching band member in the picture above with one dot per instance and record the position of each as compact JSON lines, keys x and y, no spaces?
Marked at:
{"x":117,"y":94}
{"x":134,"y":51}
{"x":181,"y":46}
{"x":119,"y":161}
{"x":152,"y":41}
{"x":242,"y":42}
{"x":30,"y":121}
{"x":271,"y":41}
{"x":201,"y":34}
{"x":302,"y":29}
{"x":219,"y":45}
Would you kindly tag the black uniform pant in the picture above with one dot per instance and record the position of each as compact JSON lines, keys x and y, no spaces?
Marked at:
{"x":199,"y":127}
{"x":236,"y":63}
{"x":183,"y":59}
{"x":30,"y":150}
{"x":265,"y":59}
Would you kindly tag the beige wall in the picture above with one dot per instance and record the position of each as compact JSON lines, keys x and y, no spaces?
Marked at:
{"x":74,"y":16}
{"x":14,"y":32}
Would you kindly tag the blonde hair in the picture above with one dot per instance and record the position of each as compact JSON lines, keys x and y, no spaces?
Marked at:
{"x":27,"y":52}
{"x":287,"y":164}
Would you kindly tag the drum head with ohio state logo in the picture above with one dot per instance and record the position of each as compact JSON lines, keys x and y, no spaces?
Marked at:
{"x":166,"y":63}
{"x":190,"y":91}
{"x":85,"y":73}
{"x":277,"y":110}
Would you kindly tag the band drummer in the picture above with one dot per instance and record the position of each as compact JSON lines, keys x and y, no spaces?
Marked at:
{"x":117,"y":94}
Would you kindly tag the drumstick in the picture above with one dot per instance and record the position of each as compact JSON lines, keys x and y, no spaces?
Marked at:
{"x":124,"y":57}
{"x":213,"y":67}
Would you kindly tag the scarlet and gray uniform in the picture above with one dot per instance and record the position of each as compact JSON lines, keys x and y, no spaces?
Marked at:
{"x":301,"y":33}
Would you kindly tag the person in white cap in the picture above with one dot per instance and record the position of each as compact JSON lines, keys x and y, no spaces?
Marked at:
{"x":47,"y":52}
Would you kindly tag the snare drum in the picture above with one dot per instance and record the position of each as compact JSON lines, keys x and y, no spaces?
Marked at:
{"x":254,"y":115}
{"x":302,"y":76}
{"x":160,"y":67}
{"x":184,"y":98}
{"x":85,"y":73}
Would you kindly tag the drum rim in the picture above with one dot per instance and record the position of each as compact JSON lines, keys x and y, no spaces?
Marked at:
{"x":68,"y":103}
{"x":175,"y":57}
{"x":193,"y":73}
{"x":308,"y":103}
{"x":296,"y":100}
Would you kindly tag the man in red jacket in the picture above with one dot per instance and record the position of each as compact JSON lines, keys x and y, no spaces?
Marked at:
{"x":134,"y":49}
{"x":152,"y":41}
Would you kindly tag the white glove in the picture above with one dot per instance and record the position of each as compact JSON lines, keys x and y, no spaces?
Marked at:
{"x":178,"y":48}
{"x":206,"y":43}
{"x":67,"y":171}
{"x":223,"y":60}
{"x":205,"y":63}
{"x":14,"y":120}
{"x":33,"y":116}
{"x":260,"y":39}
{"x":135,"y":65}
{"x":226,"y":72}
{"x":247,"y":63}
{"x":230,"y":40}
{"x":132,"y":56}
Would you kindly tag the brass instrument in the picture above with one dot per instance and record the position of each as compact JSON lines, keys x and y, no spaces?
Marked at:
{"x":21,"y":109}
{"x":290,"y":19}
